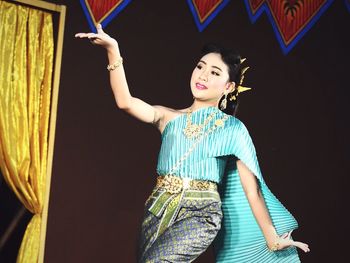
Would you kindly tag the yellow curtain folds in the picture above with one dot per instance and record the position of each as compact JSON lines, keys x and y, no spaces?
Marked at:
{"x":26,"y":62}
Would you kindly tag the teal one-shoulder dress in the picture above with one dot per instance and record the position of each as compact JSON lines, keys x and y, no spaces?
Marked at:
{"x":214,"y":158}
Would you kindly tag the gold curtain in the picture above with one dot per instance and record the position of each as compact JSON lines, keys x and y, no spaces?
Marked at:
{"x":26,"y":62}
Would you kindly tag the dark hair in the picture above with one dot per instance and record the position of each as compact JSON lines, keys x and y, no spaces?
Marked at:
{"x":233,"y":61}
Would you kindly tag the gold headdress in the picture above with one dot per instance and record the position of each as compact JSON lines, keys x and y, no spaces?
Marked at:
{"x":239,"y":87}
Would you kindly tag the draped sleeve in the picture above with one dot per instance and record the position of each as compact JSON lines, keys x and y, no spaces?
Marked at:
{"x":240,"y":238}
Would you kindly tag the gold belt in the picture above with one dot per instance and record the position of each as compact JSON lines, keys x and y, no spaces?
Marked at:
{"x":175,"y":184}
{"x":168,"y":195}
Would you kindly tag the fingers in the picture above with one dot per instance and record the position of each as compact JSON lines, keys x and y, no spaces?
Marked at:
{"x":86,"y":35}
{"x":78,"y":34}
{"x":93,"y":36}
{"x":301,"y":245}
{"x":100,"y":38}
{"x":285,"y":235}
{"x":99,"y":28}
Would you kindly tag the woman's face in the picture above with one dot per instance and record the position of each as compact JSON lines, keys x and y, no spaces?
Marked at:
{"x":210,"y":78}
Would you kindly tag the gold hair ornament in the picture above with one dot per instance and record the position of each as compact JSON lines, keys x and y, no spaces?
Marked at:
{"x":240,"y":88}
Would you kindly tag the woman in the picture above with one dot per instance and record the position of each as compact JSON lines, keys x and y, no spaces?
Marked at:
{"x":201,"y":147}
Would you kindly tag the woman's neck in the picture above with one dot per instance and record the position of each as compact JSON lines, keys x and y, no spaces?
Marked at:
{"x":202,"y":104}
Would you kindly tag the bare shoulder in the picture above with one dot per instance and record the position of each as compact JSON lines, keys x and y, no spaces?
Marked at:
{"x":167,"y":114}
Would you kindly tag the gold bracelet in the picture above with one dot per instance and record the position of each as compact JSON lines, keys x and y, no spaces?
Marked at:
{"x":115,"y":64}
{"x":275,"y":245}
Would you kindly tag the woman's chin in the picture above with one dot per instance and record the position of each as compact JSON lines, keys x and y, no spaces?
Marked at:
{"x":198,"y":94}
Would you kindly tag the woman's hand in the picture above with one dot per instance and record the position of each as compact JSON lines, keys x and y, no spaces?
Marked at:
{"x":285,"y":241}
{"x":100,"y":38}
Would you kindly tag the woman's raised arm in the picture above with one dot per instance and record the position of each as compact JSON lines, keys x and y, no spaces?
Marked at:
{"x":134,"y":106}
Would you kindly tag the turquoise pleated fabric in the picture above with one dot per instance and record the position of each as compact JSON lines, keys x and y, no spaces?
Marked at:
{"x":214,"y":158}
{"x":198,"y":165}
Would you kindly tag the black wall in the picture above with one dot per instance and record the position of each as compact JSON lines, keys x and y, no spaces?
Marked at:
{"x":297,"y":114}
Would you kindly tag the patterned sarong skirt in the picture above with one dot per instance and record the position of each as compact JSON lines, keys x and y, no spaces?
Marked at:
{"x":179,"y":227}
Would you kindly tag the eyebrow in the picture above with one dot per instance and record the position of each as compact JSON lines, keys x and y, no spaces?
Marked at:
{"x":211,"y":66}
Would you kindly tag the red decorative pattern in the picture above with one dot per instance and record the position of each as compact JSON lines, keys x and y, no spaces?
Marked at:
{"x":292,"y":16}
{"x":205,"y":7}
{"x":100,"y":9}
{"x":255,"y":5}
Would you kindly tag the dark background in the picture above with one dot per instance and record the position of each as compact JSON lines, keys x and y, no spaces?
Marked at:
{"x":297,"y":114}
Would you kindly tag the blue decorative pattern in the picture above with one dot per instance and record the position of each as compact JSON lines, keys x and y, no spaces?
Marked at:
{"x":202,"y":25}
{"x":193,"y":230}
{"x":107,"y":19}
{"x":347,"y":3}
{"x":285,"y":48}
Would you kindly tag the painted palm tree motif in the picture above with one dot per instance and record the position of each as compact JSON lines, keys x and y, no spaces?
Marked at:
{"x":291,"y":7}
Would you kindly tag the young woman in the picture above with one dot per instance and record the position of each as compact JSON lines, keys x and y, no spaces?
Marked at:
{"x":203,"y":146}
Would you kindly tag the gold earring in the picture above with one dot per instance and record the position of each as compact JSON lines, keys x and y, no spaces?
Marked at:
{"x":223,"y":103}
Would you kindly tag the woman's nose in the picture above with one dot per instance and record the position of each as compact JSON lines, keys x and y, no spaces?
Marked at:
{"x":204,"y":76}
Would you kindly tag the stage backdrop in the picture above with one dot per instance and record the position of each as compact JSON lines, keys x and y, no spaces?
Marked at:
{"x":297,"y":113}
